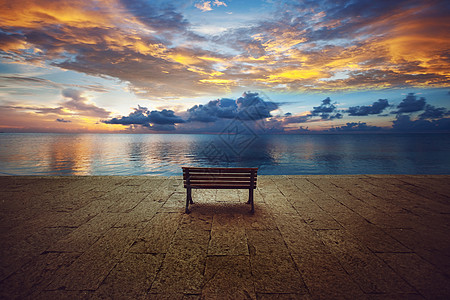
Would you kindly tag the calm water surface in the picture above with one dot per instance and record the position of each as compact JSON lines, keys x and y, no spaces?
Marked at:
{"x":164,"y":154}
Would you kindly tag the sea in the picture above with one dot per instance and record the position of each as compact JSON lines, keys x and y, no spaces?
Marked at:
{"x":57,"y":154}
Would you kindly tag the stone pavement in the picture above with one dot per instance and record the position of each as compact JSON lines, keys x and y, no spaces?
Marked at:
{"x":311,"y":237}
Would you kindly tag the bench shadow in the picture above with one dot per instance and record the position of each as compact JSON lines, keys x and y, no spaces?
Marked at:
{"x":221,"y":208}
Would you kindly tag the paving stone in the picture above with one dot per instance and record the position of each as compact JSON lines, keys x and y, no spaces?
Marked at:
{"x":278,"y":203}
{"x":228,"y":236}
{"x":366,"y":269}
{"x":197,"y":220}
{"x":176,"y":202}
{"x":124,"y":201}
{"x":428,"y":280}
{"x":408,"y":296}
{"x":370,"y":235}
{"x":282,"y":296}
{"x":139,"y":216}
{"x":261,"y":219}
{"x":158,"y":234}
{"x":186,"y":255}
{"x":430,"y":245}
{"x":273,"y":269}
{"x":64,"y":295}
{"x":320,"y":220}
{"x":391,"y":239}
{"x":86,"y":235}
{"x":91,"y":268}
{"x":34,"y":276}
{"x":323,"y":275}
{"x":131,"y":278}
{"x":228,"y":277}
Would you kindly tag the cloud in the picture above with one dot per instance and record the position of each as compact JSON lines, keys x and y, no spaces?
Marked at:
{"x":353,"y":126}
{"x":303,"y":47}
{"x":252,"y":107}
{"x":37,"y":109}
{"x":432,"y":112}
{"x":204,"y":6}
{"x":296,"y":119}
{"x":163,"y":120}
{"x":79,"y":104}
{"x":405,"y":124}
{"x":410,"y":104}
{"x":374,"y":109}
{"x":248,"y":107}
{"x":325,"y":110}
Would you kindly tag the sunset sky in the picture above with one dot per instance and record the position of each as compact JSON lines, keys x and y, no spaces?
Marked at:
{"x":194,"y":66}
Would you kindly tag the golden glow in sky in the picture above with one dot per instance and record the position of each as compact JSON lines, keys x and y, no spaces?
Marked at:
{"x":90,"y":66}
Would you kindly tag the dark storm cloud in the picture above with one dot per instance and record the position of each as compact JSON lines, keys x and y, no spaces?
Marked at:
{"x":63,"y":121}
{"x":405,"y":124}
{"x":353,"y":126}
{"x":296,"y":119}
{"x":213,"y":110}
{"x":432,"y":112}
{"x":326,"y":110}
{"x":79,"y":103}
{"x":410,"y":104}
{"x":248,"y":107}
{"x":374,"y":109}
{"x":252,"y":107}
{"x":164,"y":117}
{"x":163,"y":120}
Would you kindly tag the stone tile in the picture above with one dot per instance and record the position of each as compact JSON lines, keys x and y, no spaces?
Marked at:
{"x":321,"y":220}
{"x":228,"y":236}
{"x":323,"y":275}
{"x":228,"y":277}
{"x":370,"y":235}
{"x":157,"y":236}
{"x":86,"y":235}
{"x":391,"y":241}
{"x":196,"y":220}
{"x":64,"y":295}
{"x":91,"y":268}
{"x":408,"y":296}
{"x":282,"y":296}
{"x":176,"y":202}
{"x":367,"y":270}
{"x":273,"y":269}
{"x":183,"y":267}
{"x":261,"y":219}
{"x":427,"y":279}
{"x":432,"y":246}
{"x":131,"y":278}
{"x":34,"y":276}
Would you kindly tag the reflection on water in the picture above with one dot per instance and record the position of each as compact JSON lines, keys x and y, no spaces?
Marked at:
{"x":164,"y":154}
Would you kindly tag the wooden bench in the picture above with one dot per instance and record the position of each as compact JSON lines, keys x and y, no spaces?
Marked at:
{"x":219,"y":178}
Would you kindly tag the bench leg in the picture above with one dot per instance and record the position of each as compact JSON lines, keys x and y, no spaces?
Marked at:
{"x":188,"y":199}
{"x":250,"y":200}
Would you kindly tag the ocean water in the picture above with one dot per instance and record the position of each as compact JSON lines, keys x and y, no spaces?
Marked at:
{"x":165,"y":154}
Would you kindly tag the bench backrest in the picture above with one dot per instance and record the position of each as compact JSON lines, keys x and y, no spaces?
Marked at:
{"x":219,"y":178}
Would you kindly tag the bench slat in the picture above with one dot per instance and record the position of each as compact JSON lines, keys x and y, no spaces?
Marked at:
{"x":215,"y":175}
{"x":213,"y":178}
{"x":217,"y":182}
{"x":219,"y":170}
{"x":213,"y":186}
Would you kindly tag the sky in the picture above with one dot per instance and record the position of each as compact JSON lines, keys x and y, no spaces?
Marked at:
{"x":154,"y":66}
